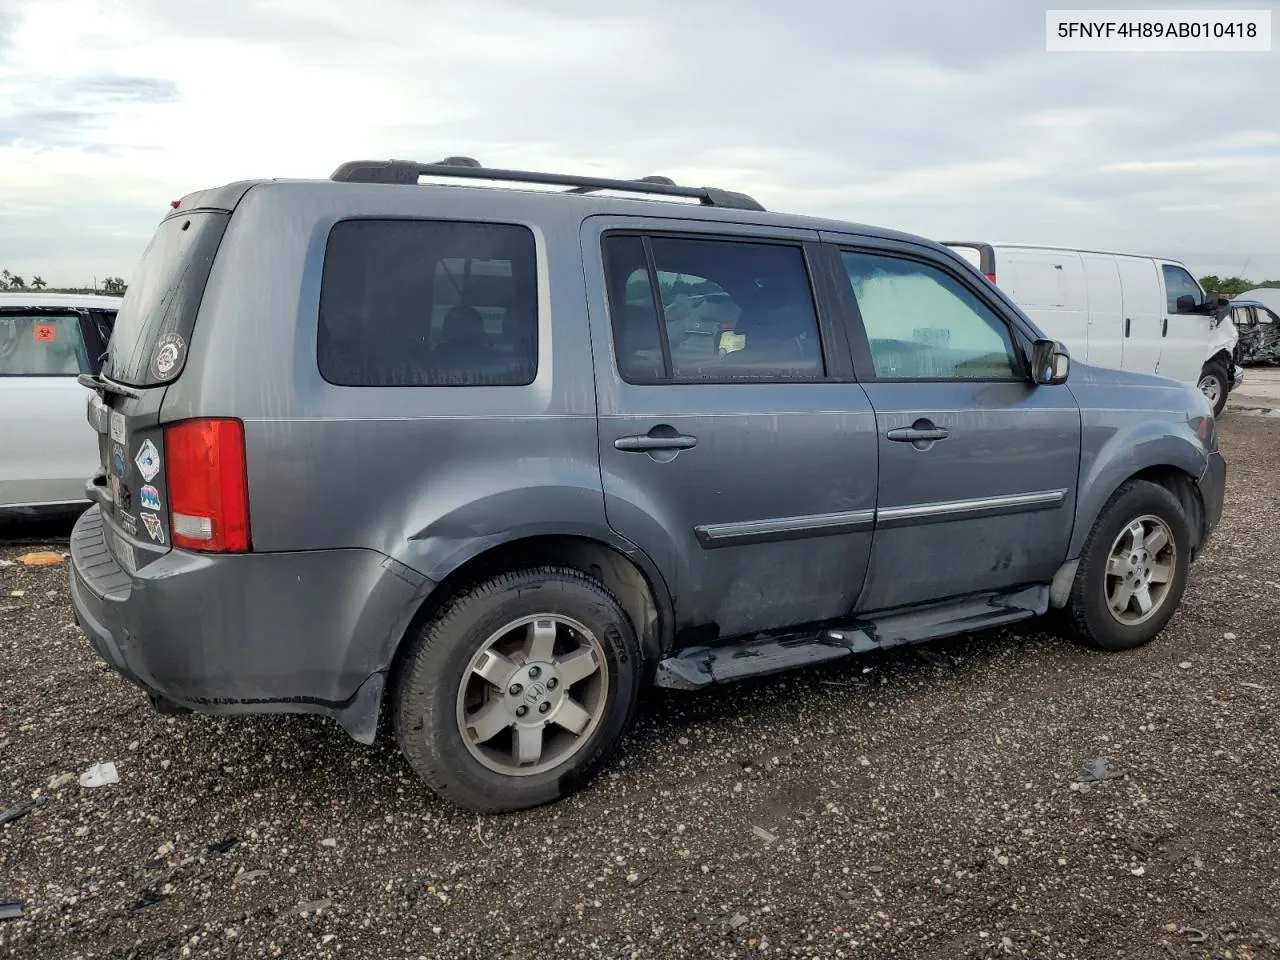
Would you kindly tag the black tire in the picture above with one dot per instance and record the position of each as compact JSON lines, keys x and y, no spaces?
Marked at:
{"x":425,"y":697}
{"x":1087,"y":609}
{"x":1215,"y":370}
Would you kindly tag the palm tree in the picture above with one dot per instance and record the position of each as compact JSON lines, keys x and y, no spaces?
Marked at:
{"x":4,"y":279}
{"x":37,"y":283}
{"x":17,"y":283}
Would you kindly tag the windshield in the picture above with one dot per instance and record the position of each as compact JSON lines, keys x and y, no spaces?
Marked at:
{"x":162,"y":300}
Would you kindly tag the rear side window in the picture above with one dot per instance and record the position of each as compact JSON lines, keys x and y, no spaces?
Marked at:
{"x":42,"y":345}
{"x":153,"y":327}
{"x":730,"y":310}
{"x":428,"y":303}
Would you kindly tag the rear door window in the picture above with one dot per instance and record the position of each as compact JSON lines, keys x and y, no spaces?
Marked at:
{"x":731,"y":310}
{"x":154,"y":324}
{"x":42,"y":345}
{"x":428,"y":303}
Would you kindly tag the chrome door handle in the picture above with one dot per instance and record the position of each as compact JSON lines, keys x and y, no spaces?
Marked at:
{"x":645,"y":443}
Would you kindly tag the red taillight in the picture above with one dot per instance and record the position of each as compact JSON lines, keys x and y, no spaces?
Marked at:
{"x":175,"y":204}
{"x":991,"y":277}
{"x":208,"y":486}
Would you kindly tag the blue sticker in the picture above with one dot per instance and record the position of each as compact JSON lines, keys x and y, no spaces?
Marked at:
{"x":117,"y":460}
{"x":149,"y":497}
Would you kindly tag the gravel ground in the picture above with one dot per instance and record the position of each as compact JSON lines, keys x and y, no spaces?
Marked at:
{"x":1005,"y":794}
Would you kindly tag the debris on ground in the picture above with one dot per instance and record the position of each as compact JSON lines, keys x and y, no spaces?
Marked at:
{"x":41,"y":558}
{"x":223,"y":846}
{"x":11,"y":910}
{"x":100,"y":775}
{"x":18,"y":811}
{"x":304,"y":909}
{"x":764,"y":834}
{"x":149,"y":898}
{"x":1096,"y":771}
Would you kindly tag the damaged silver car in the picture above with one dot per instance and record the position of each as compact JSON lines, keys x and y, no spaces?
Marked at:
{"x":1259,"y":329}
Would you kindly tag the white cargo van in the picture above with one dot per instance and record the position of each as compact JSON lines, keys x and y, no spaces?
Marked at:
{"x":1118,"y":310}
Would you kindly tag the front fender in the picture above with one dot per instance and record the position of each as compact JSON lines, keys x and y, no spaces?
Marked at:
{"x":1113,"y":452}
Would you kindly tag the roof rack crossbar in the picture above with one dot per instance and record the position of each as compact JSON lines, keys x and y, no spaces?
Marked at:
{"x":408,"y":172}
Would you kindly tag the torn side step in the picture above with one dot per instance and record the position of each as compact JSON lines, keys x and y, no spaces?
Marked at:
{"x":699,"y":667}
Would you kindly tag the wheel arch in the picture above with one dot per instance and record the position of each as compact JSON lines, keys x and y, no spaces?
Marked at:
{"x":1223,"y":357}
{"x":1175,"y":479}
{"x":627,"y":573}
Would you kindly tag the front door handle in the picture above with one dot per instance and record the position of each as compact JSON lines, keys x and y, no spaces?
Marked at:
{"x":648,"y":442}
{"x":918,"y":434}
{"x":1164,"y":332}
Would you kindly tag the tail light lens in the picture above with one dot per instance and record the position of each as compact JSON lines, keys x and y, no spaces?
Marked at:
{"x":208,"y":486}
{"x":991,"y":277}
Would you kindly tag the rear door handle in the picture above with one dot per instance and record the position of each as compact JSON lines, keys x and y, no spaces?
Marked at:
{"x":918,"y":434}
{"x":1165,"y":330}
{"x":645,"y":443}
{"x":1127,"y":322}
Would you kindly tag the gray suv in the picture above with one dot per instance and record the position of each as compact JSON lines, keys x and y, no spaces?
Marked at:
{"x":447,"y":446}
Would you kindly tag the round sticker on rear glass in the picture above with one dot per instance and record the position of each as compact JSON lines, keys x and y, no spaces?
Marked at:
{"x":167,"y":359}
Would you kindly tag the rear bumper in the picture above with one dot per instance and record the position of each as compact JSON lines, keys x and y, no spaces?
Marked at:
{"x":1213,"y":486}
{"x":309,"y":632}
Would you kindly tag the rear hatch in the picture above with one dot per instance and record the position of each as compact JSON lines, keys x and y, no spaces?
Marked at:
{"x":147,"y":353}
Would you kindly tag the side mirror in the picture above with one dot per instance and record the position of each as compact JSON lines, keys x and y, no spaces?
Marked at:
{"x":1051,"y":363}
{"x":1187,"y":303}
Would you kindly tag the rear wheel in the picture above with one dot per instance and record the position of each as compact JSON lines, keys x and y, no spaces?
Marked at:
{"x":1133,"y":569}
{"x":1215,"y":384}
{"x":517,"y":691}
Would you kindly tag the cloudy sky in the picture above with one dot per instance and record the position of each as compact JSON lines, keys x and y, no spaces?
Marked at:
{"x":944,"y":118}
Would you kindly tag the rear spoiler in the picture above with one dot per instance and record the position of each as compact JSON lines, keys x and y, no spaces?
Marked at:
{"x":222,"y":198}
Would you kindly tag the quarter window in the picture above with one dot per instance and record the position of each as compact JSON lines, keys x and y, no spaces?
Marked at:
{"x":428,"y":303}
{"x":42,"y":345}
{"x":923,"y":324}
{"x":730,"y":310}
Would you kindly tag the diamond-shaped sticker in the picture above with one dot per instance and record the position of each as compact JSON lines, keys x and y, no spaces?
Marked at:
{"x":148,"y":461}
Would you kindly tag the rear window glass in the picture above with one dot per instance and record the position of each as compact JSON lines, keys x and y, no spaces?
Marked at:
{"x":428,"y":303}
{"x":162,"y":300}
{"x":42,"y":345}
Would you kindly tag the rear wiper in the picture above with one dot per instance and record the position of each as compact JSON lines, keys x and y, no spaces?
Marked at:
{"x":103,"y":386}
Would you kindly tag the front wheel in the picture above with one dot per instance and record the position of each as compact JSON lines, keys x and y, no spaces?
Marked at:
{"x":1215,"y":385}
{"x":1133,"y":569}
{"x":518,"y":690}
